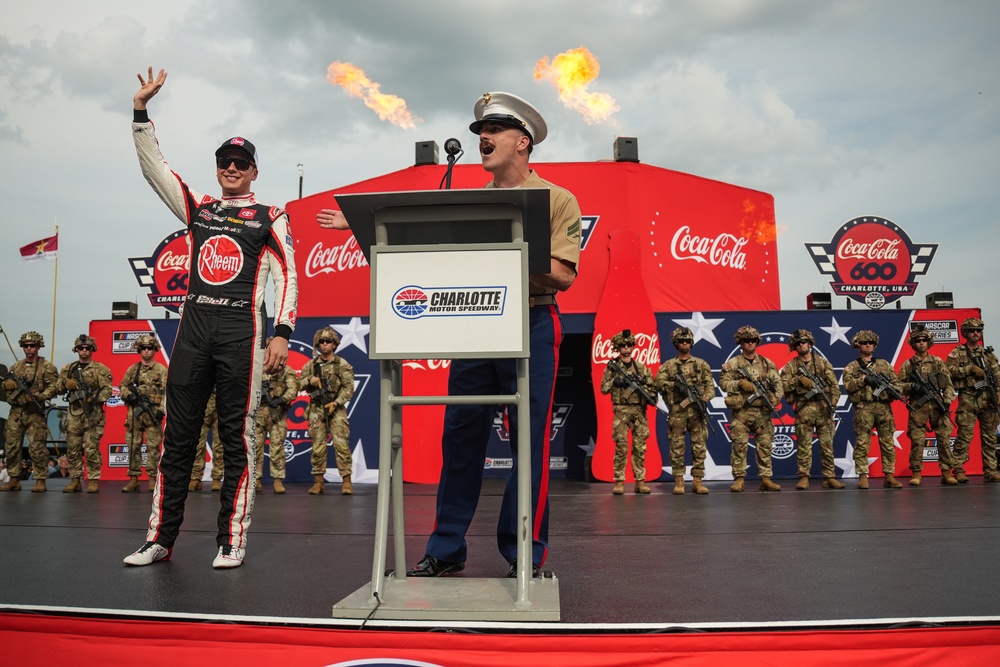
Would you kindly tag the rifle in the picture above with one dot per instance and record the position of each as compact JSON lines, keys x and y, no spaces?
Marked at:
{"x":143,"y":404}
{"x":989,"y":382}
{"x":883,"y":385}
{"x":272,"y":401}
{"x":819,"y":388}
{"x":323,"y":395}
{"x":690,"y":394}
{"x":23,"y":387}
{"x":929,"y":392}
{"x":84,"y":392}
{"x":759,"y":390}
{"x":633,"y":383}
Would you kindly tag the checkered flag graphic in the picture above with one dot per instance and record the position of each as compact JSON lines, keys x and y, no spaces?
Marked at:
{"x":142,"y":267}
{"x":920,"y":260}
{"x":822,"y":255}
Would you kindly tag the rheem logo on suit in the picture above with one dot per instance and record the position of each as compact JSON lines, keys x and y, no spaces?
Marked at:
{"x":220,"y":260}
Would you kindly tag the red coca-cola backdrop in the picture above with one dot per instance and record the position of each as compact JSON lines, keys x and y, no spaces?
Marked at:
{"x":690,"y":232}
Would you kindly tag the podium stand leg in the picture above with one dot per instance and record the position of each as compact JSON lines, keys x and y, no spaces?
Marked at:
{"x":395,"y":596}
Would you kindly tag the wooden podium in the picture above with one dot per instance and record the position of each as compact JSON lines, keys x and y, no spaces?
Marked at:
{"x":449,"y":279}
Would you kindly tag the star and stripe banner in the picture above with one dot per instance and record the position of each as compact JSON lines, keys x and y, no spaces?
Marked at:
{"x":41,"y":249}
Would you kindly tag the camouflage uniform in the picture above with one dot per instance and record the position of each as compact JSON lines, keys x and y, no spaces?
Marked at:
{"x":750,"y":418}
{"x":210,"y":423}
{"x":151,"y":382}
{"x":27,"y":418}
{"x":340,"y":374}
{"x":973,"y":404}
{"x":871,"y":411}
{"x":85,"y":428}
{"x":812,"y":415}
{"x":630,"y":412}
{"x":273,"y":421}
{"x":924,"y":410}
{"x":684,"y":416}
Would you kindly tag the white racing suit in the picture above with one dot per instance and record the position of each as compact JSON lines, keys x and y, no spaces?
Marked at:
{"x":234,"y":244}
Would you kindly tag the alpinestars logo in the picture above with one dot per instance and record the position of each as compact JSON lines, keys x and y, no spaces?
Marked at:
{"x":872,"y":260}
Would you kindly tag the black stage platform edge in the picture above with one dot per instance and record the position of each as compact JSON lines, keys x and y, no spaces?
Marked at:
{"x":658,"y":563}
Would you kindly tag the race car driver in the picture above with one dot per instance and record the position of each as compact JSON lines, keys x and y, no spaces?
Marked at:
{"x":235,"y":243}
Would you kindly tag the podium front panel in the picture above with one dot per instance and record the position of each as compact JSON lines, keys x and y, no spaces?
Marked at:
{"x":449,"y":302}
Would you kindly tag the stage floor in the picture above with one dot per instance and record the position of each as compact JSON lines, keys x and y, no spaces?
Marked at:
{"x":818,"y":558}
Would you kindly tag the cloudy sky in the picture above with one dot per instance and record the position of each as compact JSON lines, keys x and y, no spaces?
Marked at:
{"x":837,"y":108}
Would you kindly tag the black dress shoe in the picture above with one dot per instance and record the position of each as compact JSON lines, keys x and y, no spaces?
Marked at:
{"x":512,"y":572}
{"x":429,"y":566}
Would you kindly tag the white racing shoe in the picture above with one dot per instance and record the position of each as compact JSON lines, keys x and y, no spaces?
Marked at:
{"x":229,"y":556}
{"x":148,"y":553}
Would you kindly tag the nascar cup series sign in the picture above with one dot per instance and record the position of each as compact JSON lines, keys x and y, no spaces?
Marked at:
{"x":872,"y":260}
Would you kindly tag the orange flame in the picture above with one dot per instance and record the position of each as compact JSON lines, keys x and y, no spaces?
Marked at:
{"x":388,"y":107}
{"x":570,"y":72}
{"x":757,"y":226}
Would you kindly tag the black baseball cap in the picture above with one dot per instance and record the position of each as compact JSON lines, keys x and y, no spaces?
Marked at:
{"x":241,"y":145}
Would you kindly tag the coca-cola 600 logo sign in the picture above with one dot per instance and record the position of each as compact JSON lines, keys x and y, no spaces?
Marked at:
{"x":165,"y":274}
{"x":872,"y":260}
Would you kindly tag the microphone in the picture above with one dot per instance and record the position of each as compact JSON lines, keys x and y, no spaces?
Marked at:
{"x":452,"y":146}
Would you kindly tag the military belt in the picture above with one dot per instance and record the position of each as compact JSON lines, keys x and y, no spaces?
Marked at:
{"x":541,"y":300}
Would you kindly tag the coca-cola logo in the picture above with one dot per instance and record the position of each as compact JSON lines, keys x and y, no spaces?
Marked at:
{"x":882,"y":249}
{"x":646,"y":351}
{"x":872,"y":260}
{"x":724,"y":250}
{"x":427,"y":364}
{"x":335,"y":259}
{"x":174,"y":261}
{"x":220,"y":260}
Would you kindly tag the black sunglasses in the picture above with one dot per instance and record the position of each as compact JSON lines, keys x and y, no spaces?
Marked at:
{"x":242,"y":164}
{"x":84,"y":347}
{"x":147,"y":347}
{"x":29,"y":345}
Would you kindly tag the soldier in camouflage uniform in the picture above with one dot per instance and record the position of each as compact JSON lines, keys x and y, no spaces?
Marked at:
{"x":871,"y":411}
{"x":27,"y":411}
{"x":210,"y":423}
{"x":630,"y":412}
{"x":750,"y":413}
{"x":149,"y":377}
{"x":87,"y":385}
{"x":922,"y":377}
{"x":684,"y":414}
{"x":974,"y":372}
{"x":278,"y":390}
{"x":812,"y":412}
{"x":327,"y":411}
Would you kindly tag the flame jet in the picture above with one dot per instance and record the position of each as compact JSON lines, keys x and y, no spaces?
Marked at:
{"x":388,"y":107}
{"x":571,"y":72}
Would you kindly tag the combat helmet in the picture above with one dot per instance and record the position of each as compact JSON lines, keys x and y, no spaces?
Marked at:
{"x":146,"y":340}
{"x":680,"y":335}
{"x":326,"y":333}
{"x":970,"y":324}
{"x":920,"y":332}
{"x":864,"y":336}
{"x":31,"y":337}
{"x":623,"y":338}
{"x":800,"y":336}
{"x":747,"y":333}
{"x":84,"y":339}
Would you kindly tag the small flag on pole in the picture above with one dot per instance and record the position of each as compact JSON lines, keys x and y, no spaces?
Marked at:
{"x":42,"y":249}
